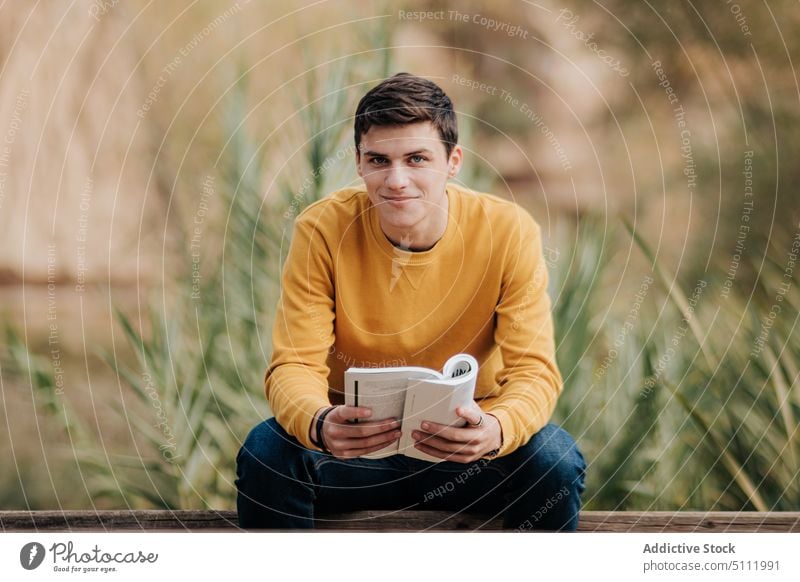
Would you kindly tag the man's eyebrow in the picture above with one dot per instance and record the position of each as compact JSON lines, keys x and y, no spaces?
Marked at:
{"x":378,"y":154}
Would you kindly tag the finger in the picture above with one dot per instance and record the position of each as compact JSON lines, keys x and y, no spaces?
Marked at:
{"x":361,"y":430}
{"x":434,"y":452}
{"x":471,"y":415}
{"x":365,"y":443}
{"x":350,"y":453}
{"x":451,"y":433}
{"x":349,"y":413}
{"x":444,"y":445}
{"x":351,"y":437}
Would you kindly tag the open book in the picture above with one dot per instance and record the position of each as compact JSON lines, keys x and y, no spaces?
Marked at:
{"x":413,"y":394}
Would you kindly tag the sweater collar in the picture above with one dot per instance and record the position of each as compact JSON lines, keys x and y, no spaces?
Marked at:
{"x":415,"y":258}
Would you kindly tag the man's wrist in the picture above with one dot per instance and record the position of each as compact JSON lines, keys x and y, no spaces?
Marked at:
{"x":494,"y":452}
{"x":312,"y":429}
{"x":316,"y":430}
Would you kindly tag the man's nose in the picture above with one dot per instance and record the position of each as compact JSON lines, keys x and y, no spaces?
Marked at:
{"x":396,"y":178}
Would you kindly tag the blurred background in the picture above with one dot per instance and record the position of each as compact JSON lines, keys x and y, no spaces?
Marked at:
{"x":153,"y":157}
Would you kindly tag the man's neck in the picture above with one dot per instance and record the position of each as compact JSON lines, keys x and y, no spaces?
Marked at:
{"x":407,"y":244}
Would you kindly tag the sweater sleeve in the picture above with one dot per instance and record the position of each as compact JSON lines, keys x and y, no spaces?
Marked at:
{"x":529,"y":383}
{"x":296,"y":381}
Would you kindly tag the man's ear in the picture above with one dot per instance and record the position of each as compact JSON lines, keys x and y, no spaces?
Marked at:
{"x":455,"y":161}
{"x":358,"y":163}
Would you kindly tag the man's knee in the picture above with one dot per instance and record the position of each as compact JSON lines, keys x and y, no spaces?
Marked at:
{"x":552,"y":456}
{"x":270,"y":467}
{"x":267,"y":445}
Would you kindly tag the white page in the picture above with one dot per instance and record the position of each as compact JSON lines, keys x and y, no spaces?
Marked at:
{"x":385,"y":396}
{"x":384,"y":391}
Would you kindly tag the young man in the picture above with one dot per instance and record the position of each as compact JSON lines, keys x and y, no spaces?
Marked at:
{"x":411,"y":269}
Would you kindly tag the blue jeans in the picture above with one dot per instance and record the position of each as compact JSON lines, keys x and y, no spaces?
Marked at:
{"x":281,"y":483}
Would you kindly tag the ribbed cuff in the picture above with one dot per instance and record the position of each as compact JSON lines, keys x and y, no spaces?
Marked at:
{"x":506,"y":426}
{"x":304,"y":434}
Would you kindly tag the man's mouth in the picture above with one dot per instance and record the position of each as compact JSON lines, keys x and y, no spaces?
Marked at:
{"x":398,"y":199}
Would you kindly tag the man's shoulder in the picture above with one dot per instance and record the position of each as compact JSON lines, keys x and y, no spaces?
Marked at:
{"x":343,"y":204}
{"x":499,"y":212}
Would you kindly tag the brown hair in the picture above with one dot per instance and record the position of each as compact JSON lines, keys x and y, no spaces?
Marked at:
{"x":403,"y":99}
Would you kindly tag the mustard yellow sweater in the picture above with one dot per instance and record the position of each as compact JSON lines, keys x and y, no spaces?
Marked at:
{"x":351,"y":298}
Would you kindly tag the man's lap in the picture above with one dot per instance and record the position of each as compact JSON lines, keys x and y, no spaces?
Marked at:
{"x":395,"y":482}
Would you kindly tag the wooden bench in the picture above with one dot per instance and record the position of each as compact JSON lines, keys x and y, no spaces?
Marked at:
{"x":405,"y":521}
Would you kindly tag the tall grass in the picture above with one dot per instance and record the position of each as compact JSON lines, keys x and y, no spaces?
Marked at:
{"x":694,"y":411}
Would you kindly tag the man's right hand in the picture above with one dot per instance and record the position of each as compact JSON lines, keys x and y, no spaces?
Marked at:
{"x":346,"y":439}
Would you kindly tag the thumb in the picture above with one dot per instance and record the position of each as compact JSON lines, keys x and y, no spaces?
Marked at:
{"x":471,"y":415}
{"x":347,"y":413}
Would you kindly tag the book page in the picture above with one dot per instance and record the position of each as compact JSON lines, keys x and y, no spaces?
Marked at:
{"x":386,"y":397}
{"x":459,"y":368}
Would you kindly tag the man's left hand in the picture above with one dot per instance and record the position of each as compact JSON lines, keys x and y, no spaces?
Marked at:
{"x":461,"y":445}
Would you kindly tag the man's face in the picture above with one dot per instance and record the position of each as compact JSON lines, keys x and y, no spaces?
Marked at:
{"x":405,"y":169}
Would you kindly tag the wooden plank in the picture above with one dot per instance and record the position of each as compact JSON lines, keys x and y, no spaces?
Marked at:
{"x":211,"y":520}
{"x":408,"y":521}
{"x":690,"y":521}
{"x":590,"y":521}
{"x":118,"y":520}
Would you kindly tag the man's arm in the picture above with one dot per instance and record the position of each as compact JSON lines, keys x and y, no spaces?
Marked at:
{"x":296,"y":382}
{"x":529,"y":383}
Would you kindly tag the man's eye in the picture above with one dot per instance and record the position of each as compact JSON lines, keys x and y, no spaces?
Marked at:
{"x":417,"y":159}
{"x":378,"y":161}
